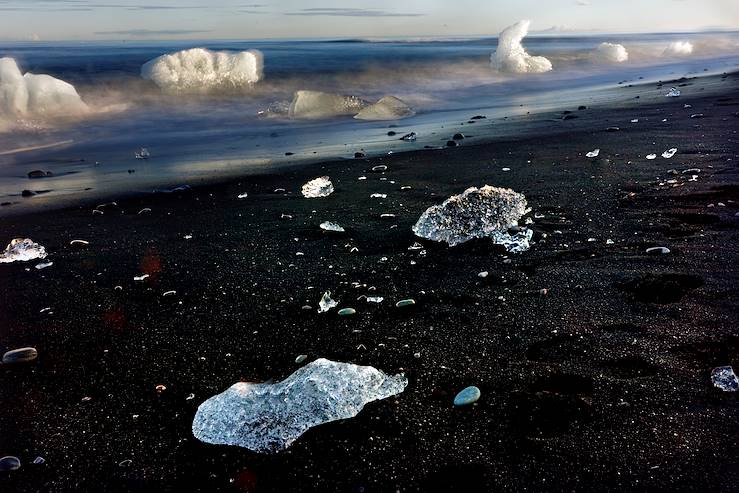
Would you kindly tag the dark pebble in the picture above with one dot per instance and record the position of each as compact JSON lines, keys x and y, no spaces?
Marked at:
{"x":392,"y":133}
{"x":458,"y":137}
{"x":22,"y":355}
{"x":359,"y":155}
{"x":580,"y":108}
{"x":9,"y":463}
{"x":27,"y":193}
{"x":37,"y":173}
{"x":451,"y":143}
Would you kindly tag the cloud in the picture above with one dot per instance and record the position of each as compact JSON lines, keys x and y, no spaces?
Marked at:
{"x":351,"y":12}
{"x":583,"y":3}
{"x":151,"y":32}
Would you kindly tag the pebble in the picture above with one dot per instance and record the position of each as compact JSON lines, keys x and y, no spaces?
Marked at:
{"x":468,"y":396}
{"x":408,"y":302}
{"x":346,"y":311}
{"x":301,"y":358}
{"x":659,"y":250}
{"x":9,"y":463}
{"x":483,"y":274}
{"x":22,"y":355}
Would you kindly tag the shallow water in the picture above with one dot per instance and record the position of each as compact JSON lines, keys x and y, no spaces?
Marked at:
{"x":196,"y":138}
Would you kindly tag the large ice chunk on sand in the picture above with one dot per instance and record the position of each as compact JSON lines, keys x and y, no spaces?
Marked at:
{"x":319,"y":187}
{"x":312,"y":105}
{"x":511,"y":55}
{"x":200,"y":71}
{"x":387,"y":108}
{"x":610,"y":53}
{"x":269,"y":417}
{"x":476,"y":213}
{"x":36,"y":95}
{"x":22,"y":250}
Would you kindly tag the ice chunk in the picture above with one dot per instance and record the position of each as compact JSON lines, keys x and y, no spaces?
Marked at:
{"x":679,"y":48}
{"x":326,"y":303}
{"x":610,"y":53}
{"x":333,"y":227}
{"x":511,"y":55}
{"x":593,"y":153}
{"x":669,"y":153}
{"x":320,"y":187}
{"x":200,"y":71}
{"x":268,"y":418}
{"x":725,"y":379}
{"x":387,"y":108}
{"x":651,"y":156}
{"x":476,"y":213}
{"x":674,"y":92}
{"x":311,"y":105}
{"x":22,"y":250}
{"x":515,"y":243}
{"x":36,"y":95}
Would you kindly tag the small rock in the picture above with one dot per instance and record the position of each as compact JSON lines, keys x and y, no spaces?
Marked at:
{"x":613,"y":129}
{"x":22,"y":355}
{"x":9,"y":463}
{"x":468,"y":396}
{"x":458,"y":136}
{"x":27,"y":193}
{"x":346,"y":312}
{"x":452,"y":143}
{"x":403,"y":303}
{"x":301,"y":359}
{"x":659,"y":250}
{"x":37,"y":173}
{"x":359,"y":155}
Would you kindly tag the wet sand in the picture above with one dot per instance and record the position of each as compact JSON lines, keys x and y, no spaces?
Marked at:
{"x":601,"y":382}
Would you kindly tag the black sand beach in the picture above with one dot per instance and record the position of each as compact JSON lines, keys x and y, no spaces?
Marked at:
{"x":593,"y":357}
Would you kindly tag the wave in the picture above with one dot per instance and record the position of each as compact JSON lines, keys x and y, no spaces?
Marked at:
{"x":610,"y":53}
{"x":511,"y":55}
{"x":201,"y":71}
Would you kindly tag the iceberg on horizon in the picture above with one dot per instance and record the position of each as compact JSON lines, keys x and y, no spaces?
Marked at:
{"x":610,"y":53}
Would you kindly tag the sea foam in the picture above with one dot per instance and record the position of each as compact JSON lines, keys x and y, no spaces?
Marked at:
{"x":610,"y":53}
{"x":201,"y":71}
{"x":511,"y":55}
{"x":36,"y":95}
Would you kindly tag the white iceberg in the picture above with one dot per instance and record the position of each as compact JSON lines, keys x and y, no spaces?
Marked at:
{"x":387,"y":108}
{"x":610,"y":53}
{"x":326,"y":303}
{"x":476,"y":213}
{"x":678,"y":48}
{"x":268,"y":418}
{"x":22,"y":250}
{"x":201,"y":71}
{"x":36,"y":95}
{"x":312,"y":105}
{"x":320,"y":187}
{"x":511,"y":55}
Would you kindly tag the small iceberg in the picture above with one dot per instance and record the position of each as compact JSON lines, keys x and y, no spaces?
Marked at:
{"x":387,"y":108}
{"x":511,"y":56}
{"x":267,"y":418}
{"x":312,"y":105}
{"x":610,"y":53}
{"x":320,"y":187}
{"x":22,"y":250}
{"x":477,"y":213}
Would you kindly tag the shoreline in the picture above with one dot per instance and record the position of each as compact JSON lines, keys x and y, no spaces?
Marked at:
{"x":601,"y":382}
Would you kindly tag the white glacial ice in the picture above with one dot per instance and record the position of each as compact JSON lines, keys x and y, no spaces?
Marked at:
{"x":201,"y":71}
{"x":36,"y":95}
{"x":387,"y":108}
{"x":477,"y":213}
{"x":319,"y":187}
{"x":679,"y":48}
{"x":267,"y":418}
{"x":610,"y":53}
{"x":22,"y":250}
{"x":511,"y":55}
{"x":311,"y":105}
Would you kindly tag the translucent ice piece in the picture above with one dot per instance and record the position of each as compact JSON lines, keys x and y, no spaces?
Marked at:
{"x":22,"y":250}
{"x":326,"y":303}
{"x":320,"y":187}
{"x":725,"y":379}
{"x":387,"y":108}
{"x":270,"y":417}
{"x":673,"y":93}
{"x":669,"y":153}
{"x":329,"y":226}
{"x":593,"y":153}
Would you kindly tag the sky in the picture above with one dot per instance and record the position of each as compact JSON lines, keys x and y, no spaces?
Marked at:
{"x":260,"y":19}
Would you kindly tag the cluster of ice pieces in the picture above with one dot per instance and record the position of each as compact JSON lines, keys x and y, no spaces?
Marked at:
{"x":200,"y":71}
{"x":320,"y":187}
{"x":511,"y":55}
{"x":22,"y":250}
{"x":610,"y":53}
{"x":313,"y":105}
{"x":36,"y":95}
{"x":270,"y":417}
{"x":477,"y":213}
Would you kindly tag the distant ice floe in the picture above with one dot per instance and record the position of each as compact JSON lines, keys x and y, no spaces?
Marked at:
{"x":201,"y":71}
{"x":511,"y":55}
{"x":679,"y":48}
{"x":387,"y":108}
{"x":36,"y":95}
{"x":267,"y":418}
{"x":477,"y":213}
{"x":610,"y":53}
{"x":312,"y":105}
{"x":22,"y":250}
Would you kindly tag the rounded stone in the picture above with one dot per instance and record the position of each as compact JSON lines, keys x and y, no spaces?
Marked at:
{"x":21,"y":355}
{"x":346,"y":311}
{"x":468,"y":396}
{"x":9,"y":463}
{"x":408,"y":302}
{"x":301,"y":358}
